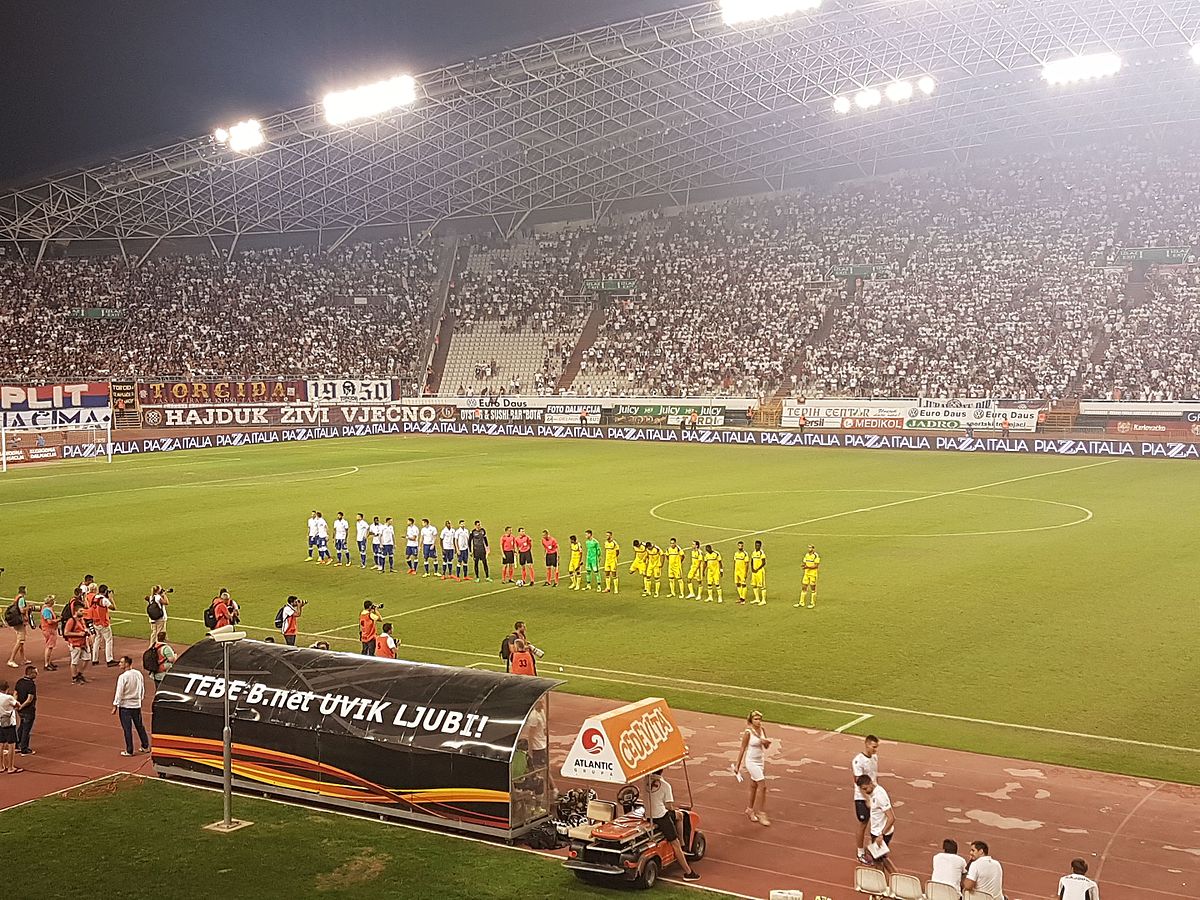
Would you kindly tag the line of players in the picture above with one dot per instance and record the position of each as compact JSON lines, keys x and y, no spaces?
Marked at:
{"x":459,"y":544}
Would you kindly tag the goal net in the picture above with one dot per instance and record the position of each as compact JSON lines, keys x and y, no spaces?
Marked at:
{"x":22,"y":446}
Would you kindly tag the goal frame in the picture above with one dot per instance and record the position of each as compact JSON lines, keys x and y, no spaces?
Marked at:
{"x":7,"y":432}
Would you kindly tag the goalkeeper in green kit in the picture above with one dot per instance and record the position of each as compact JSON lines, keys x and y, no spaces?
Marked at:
{"x":592,"y":570}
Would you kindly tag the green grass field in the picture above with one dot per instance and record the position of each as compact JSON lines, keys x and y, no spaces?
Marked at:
{"x":156,"y":839}
{"x":1048,"y":593}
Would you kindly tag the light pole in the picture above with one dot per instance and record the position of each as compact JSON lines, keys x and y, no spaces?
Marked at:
{"x":226,"y":636}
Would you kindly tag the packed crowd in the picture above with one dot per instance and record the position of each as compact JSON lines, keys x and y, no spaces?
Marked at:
{"x":283,"y":311}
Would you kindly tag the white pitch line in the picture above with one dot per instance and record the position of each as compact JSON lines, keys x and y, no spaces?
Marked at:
{"x":412,"y":612}
{"x":857,"y":721}
{"x":934,"y":496}
{"x":768,"y":693}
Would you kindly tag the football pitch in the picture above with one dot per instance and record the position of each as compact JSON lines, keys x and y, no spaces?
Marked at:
{"x":1041,"y":608}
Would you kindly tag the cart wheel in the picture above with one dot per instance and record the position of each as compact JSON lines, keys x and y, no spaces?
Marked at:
{"x":649,"y":876}
{"x":699,"y":846}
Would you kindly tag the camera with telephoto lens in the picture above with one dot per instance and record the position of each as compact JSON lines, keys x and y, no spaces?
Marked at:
{"x":538,"y":652}
{"x":170,"y":590}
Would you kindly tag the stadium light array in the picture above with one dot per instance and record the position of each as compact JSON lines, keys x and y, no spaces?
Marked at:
{"x":841,"y":105}
{"x":242,"y":137}
{"x":897,"y":92}
{"x":867,"y":98}
{"x":1081,"y":68}
{"x":926,"y":85}
{"x":369,"y":100}
{"x":738,"y":12}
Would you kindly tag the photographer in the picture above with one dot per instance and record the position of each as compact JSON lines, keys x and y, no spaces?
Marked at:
{"x":156,"y":612}
{"x":368,"y":626}
{"x":292,"y":610}
{"x":520,"y":660}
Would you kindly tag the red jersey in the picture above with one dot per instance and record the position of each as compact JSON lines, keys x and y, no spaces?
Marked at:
{"x":221,"y":611}
{"x":508,"y":542}
{"x":366,"y":627}
{"x":75,"y":632}
{"x":524,"y":543}
{"x":383,"y":647}
{"x":522,"y":663}
{"x":99,"y":611}
{"x":550,"y":545}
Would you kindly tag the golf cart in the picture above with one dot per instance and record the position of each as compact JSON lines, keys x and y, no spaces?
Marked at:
{"x":618,"y":840}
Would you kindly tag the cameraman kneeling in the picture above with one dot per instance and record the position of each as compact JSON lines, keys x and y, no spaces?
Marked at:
{"x":661,"y":808}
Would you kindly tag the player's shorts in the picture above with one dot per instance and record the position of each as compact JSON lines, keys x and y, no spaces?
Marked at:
{"x":714,"y":576}
{"x":447,"y":554}
{"x":526,"y":558}
{"x":862,"y":812}
{"x":576,"y":565}
{"x":312,"y":540}
{"x":462,"y":556}
{"x":675,"y":570}
{"x":362,"y":546}
{"x":508,"y":557}
{"x":551,"y":560}
{"x":610,"y":568}
{"x":340,"y":544}
{"x":322,"y":542}
{"x":740,"y":577}
{"x":758,"y":579}
{"x":656,"y":572}
{"x":430,"y":553}
{"x":388,"y":550}
{"x":638,"y":567}
{"x":410,"y":551}
{"x":694,"y":573}
{"x":810,"y":577}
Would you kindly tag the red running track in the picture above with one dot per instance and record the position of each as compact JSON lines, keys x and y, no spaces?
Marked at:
{"x":1141,"y":838}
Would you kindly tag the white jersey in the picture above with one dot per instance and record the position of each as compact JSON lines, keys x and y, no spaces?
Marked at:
{"x":387,"y":535}
{"x":462,"y":539}
{"x":361,"y":529}
{"x":376,"y":531}
{"x":447,"y":538}
{"x":312,"y":526}
{"x":322,"y":528}
{"x":341,"y":528}
{"x":411,"y":535}
{"x":428,"y":535}
{"x":864,"y":765}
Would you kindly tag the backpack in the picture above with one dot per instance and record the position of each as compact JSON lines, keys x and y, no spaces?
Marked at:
{"x":12,"y":616}
{"x":154,"y":610}
{"x":150,"y":659}
{"x":279,"y":618}
{"x":210,"y":616}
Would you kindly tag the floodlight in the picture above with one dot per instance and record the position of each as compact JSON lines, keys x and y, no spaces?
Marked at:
{"x":867,"y":98}
{"x":926,"y":85}
{"x":841,"y":105}
{"x":369,"y":100}
{"x":899,"y":91}
{"x":1081,"y":68}
{"x":1196,"y":54}
{"x":242,"y":137}
{"x":736,"y":12}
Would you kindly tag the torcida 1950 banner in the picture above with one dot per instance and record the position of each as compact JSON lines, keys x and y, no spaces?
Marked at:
{"x":266,"y":390}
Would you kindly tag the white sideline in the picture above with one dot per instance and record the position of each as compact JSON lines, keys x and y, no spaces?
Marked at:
{"x":411,"y":612}
{"x":918,"y":499}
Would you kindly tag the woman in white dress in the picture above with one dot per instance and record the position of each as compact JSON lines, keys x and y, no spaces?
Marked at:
{"x":750,"y":760}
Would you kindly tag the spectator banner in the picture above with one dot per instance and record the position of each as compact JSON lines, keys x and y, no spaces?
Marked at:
{"x":572,"y":414}
{"x":943,"y":418}
{"x":268,"y":390}
{"x":296,"y":415}
{"x":377,"y":390}
{"x":623,"y":745}
{"x":405,"y":740}
{"x":84,"y":403}
{"x":957,"y":403}
{"x":907,"y":415}
{"x":1188,"y":410}
{"x":667,"y":414}
{"x":833,"y":413}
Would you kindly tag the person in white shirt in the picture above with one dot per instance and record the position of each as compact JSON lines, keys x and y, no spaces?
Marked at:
{"x":323,"y":540}
{"x":127,"y":703}
{"x":882,"y":824}
{"x":1077,"y":885}
{"x":376,"y":532}
{"x":462,"y":550}
{"x":341,"y":535}
{"x":447,"y":550}
{"x":865,"y":763}
{"x":428,"y":547}
{"x":984,"y":873}
{"x":948,"y":866}
{"x":412,"y":536}
{"x":387,"y":540}
{"x":312,"y":535}
{"x":361,"y":530}
{"x":660,"y":807}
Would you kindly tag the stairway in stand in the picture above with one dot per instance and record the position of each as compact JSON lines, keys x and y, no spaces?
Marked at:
{"x":591,"y":330}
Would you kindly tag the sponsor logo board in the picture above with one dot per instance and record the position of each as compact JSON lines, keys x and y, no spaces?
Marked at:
{"x":626,"y":744}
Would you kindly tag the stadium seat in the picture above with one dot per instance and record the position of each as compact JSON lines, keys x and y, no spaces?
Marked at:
{"x":906,"y":887}
{"x":871,"y":882}
{"x":935,"y":890}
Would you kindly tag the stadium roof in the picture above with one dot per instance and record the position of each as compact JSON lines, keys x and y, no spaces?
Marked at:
{"x":670,"y":108}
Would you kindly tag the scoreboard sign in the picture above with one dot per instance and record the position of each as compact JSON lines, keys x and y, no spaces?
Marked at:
{"x":1170,"y":256}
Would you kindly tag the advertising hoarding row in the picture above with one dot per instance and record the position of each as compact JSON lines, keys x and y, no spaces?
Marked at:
{"x":909,"y":415}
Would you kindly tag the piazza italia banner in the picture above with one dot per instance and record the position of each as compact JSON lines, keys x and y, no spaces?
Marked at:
{"x":910,"y":415}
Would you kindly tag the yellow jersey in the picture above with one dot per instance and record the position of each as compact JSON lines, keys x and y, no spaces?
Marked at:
{"x":812,"y":562}
{"x":576,"y":556}
{"x":697,"y":562}
{"x":675,"y":561}
{"x":654,"y":561}
{"x":741,"y":565}
{"x":639,"y":559}
{"x":758,"y":568}
{"x":611,"y":551}
{"x":712,"y":564}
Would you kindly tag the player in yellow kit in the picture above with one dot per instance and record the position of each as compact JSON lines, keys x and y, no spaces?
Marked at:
{"x":654,"y":564}
{"x":808,"y":584}
{"x":741,"y":571}
{"x":638,"y":566}
{"x":612,"y":552}
{"x":696,"y":572}
{"x":712,"y":573}
{"x":575,"y":569}
{"x":675,"y":566}
{"x":758,"y":574}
